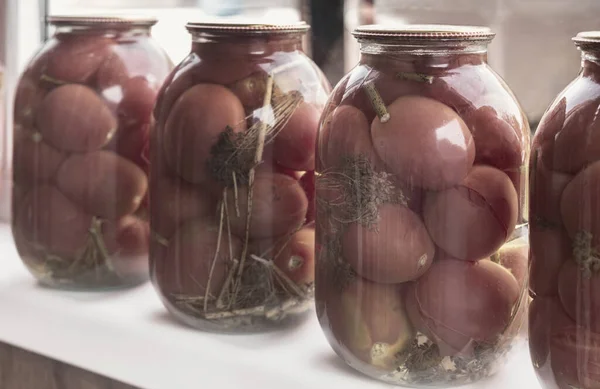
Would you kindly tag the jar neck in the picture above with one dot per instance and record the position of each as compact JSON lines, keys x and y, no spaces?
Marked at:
{"x":102,"y":30}
{"x":246,"y":46}
{"x":430,"y":58}
{"x":590,"y":63}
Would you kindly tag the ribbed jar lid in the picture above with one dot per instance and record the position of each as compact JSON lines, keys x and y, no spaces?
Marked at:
{"x":241,"y":28}
{"x":423,"y":33}
{"x":588,"y":40}
{"x":101,"y":21}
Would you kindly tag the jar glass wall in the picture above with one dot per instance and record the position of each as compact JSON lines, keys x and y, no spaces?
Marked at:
{"x":421,"y":219}
{"x":80,"y":152}
{"x":232,"y":178}
{"x":565,"y":231}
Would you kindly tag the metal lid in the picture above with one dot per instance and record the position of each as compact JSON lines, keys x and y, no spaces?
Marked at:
{"x":101,"y":21}
{"x":588,"y":40}
{"x":240,"y":28}
{"x":423,"y":33}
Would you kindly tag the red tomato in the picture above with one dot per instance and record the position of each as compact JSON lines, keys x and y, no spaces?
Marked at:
{"x":368,"y":314}
{"x":294,"y":255}
{"x":516,"y":259}
{"x":308,"y":184}
{"x":33,"y":159}
{"x":547,"y":187}
{"x":175,"y":201}
{"x":294,"y":146}
{"x":425,"y":142}
{"x":546,"y":317}
{"x":103,"y":183}
{"x":388,"y":86}
{"x":194,"y":125}
{"x":279,"y":207}
{"x":345,"y":134}
{"x":498,"y":142}
{"x":75,"y":59}
{"x":186,"y":267}
{"x":28,"y":98}
{"x":578,"y":143}
{"x":471,"y":221}
{"x":575,"y":354}
{"x":580,"y":295}
{"x":74,"y":118}
{"x":50,"y":220}
{"x":457,"y":301}
{"x":550,"y":248}
{"x":397,"y":250}
{"x":138,"y":100}
{"x":580,"y":203}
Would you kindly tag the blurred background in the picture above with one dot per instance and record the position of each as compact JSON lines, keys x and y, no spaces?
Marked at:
{"x":533,"y":51}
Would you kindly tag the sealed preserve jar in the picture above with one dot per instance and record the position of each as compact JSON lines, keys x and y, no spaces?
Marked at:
{"x":80,"y":154}
{"x":564,"y":330}
{"x":421,"y":225}
{"x":232,"y":178}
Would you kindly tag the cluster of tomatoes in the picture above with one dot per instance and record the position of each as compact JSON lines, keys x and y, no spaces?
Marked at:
{"x":564,"y":234}
{"x":82,"y":115}
{"x":200,"y":181}
{"x":451,"y":142}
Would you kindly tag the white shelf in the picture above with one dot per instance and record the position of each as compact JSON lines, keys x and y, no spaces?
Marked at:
{"x":128,"y":336}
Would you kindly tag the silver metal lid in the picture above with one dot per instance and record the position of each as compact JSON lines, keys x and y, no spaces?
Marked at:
{"x":588,"y":40}
{"x":423,"y":33}
{"x":101,"y":21}
{"x":240,"y":28}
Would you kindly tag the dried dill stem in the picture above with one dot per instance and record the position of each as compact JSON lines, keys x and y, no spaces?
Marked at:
{"x":377,"y":102}
{"x":51,"y":80}
{"x":217,"y":251}
{"x":234,"y":154}
{"x":254,"y":311}
{"x":257,"y":159}
{"x":249,"y":290}
{"x":586,"y":256}
{"x":158,"y":238}
{"x":94,"y":257}
{"x":419,"y":77}
{"x":232,"y":159}
{"x":286,"y":280}
{"x":363,"y":191}
{"x":235,"y":194}
{"x":338,"y":271}
{"x":422,"y":364}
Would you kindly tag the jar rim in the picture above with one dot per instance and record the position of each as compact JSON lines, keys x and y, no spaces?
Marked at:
{"x":242,"y":28}
{"x":125,"y":21}
{"x":588,"y":39}
{"x":423,"y":33}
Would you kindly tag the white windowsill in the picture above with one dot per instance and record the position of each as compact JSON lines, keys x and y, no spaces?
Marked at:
{"x":128,"y":336}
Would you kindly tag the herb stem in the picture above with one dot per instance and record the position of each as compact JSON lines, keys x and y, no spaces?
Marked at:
{"x":377,"y":102}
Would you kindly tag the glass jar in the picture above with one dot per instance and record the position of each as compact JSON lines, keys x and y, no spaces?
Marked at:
{"x":564,"y":328}
{"x":421,"y":222}
{"x":80,"y":152}
{"x":232,"y":178}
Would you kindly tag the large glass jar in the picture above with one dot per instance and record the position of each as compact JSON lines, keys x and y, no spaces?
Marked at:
{"x":80,"y":152}
{"x":564,"y":328}
{"x":232,"y":178}
{"x":421,"y":222}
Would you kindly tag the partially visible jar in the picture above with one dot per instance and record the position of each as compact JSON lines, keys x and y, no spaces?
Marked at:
{"x":232,"y":178}
{"x":80,"y":152}
{"x":421,"y":276}
{"x":564,"y":329}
